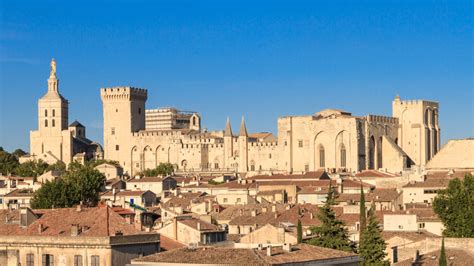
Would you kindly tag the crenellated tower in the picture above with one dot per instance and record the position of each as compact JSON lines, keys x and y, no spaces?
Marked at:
{"x":418,"y":130}
{"x":124,"y":114}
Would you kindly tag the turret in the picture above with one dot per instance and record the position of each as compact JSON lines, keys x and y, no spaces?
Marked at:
{"x":243,"y":147}
{"x":228,"y":145}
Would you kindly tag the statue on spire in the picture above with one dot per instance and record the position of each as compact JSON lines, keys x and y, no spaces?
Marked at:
{"x":53,"y":68}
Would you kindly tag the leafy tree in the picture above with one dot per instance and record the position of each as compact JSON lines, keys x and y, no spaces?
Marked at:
{"x":299,"y":232}
{"x":94,"y":163}
{"x":331,"y":233}
{"x":442,"y":256}
{"x":8,"y":162}
{"x":31,"y":168}
{"x":372,"y":248}
{"x":79,"y":184}
{"x":163,"y":169}
{"x":18,"y":153}
{"x":455,"y":207}
{"x":58,"y":166}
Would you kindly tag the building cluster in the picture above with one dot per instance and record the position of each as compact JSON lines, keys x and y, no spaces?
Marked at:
{"x":234,"y":199}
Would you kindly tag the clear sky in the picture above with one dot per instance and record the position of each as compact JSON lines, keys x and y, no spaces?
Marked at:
{"x":228,"y":59}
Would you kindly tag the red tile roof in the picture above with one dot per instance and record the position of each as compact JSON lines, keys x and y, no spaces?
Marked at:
{"x":374,"y":173}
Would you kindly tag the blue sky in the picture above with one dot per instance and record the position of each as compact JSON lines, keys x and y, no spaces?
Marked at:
{"x":261,"y":59}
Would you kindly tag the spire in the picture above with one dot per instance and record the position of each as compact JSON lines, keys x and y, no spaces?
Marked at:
{"x":243,"y":128}
{"x":228,"y":129}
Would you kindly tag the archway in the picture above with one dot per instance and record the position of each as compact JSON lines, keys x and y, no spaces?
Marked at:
{"x":372,"y":153}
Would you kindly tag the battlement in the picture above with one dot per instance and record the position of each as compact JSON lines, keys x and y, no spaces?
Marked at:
{"x":415,"y":102}
{"x":123,"y":93}
{"x":382,"y":119}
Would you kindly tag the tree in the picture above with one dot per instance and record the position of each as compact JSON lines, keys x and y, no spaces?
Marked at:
{"x":163,"y":169}
{"x":455,"y":207}
{"x":363,"y":218}
{"x":31,"y":168}
{"x":332,"y":232}
{"x":18,"y":153}
{"x":372,"y":248}
{"x":8,"y":162}
{"x":442,"y":255}
{"x":299,"y":232}
{"x":58,"y":166}
{"x":79,"y":184}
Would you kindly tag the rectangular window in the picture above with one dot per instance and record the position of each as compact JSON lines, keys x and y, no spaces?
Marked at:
{"x":53,"y":124}
{"x":47,"y":260}
{"x":306,"y":167}
{"x":30,"y":259}
{"x":77,"y":260}
{"x":112,"y":131}
{"x":238,"y":199}
{"x":54,"y":113}
{"x":216,"y":165}
{"x":95,"y":261}
{"x":225,"y":200}
{"x":117,"y":147}
{"x":300,"y":143}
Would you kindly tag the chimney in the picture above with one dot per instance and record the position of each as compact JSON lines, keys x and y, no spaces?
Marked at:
{"x":269,"y":251}
{"x":198,"y":226}
{"x":394,"y":254}
{"x":40,"y":228}
{"x":416,"y":257}
{"x":287,"y":247}
{"x":264,"y":209}
{"x":311,"y":215}
{"x":241,"y":212}
{"x":254,"y":213}
{"x":175,"y":228}
{"x":79,"y":207}
{"x":75,"y":230}
{"x":260,"y":247}
{"x":114,"y":194}
{"x":274,"y":208}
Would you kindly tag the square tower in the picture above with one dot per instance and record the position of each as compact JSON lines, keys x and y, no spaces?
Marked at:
{"x":419,"y":131}
{"x":124,"y":114}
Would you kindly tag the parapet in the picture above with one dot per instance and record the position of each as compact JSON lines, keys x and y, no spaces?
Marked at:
{"x":382,"y":119}
{"x":123,"y":93}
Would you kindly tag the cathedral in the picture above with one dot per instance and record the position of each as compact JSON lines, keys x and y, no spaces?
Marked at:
{"x":56,"y":140}
{"x":334,"y":140}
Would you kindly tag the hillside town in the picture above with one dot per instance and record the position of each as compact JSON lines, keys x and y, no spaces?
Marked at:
{"x":170,"y":192}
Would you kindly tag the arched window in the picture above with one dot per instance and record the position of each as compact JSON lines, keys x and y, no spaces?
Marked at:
{"x":46,"y":122}
{"x":46,"y":112}
{"x":52,"y":123}
{"x":343,"y":156}
{"x":322,"y":159}
{"x":194,"y":120}
{"x":54,"y":112}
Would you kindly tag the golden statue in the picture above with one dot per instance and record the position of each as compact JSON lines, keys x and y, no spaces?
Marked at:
{"x":53,"y":67}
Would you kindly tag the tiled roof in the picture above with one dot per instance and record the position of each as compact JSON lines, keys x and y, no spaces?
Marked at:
{"x":182,"y":200}
{"x":231,"y":212}
{"x":260,"y":219}
{"x":429,"y":183}
{"x":320,"y":174}
{"x":306,"y":213}
{"x":412,"y":236}
{"x":377,"y":195}
{"x":167,"y":244}
{"x":374,"y":173}
{"x":125,"y":193}
{"x":146,"y":179}
{"x":205,"y":226}
{"x":20,"y":193}
{"x":453,"y":256}
{"x":234,"y":256}
{"x":95,"y":222}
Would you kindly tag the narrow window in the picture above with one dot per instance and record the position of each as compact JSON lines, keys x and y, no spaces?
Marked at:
{"x":46,"y":113}
{"x":54,"y":112}
{"x":52,"y":123}
{"x":300,"y":143}
{"x":321,"y":157}
{"x":46,"y":123}
{"x":95,"y":261}
{"x":77,"y":260}
{"x":343,"y":156}
{"x":139,"y":110}
{"x":47,"y":260}
{"x":30,"y":259}
{"x":117,"y":147}
{"x":112,"y":131}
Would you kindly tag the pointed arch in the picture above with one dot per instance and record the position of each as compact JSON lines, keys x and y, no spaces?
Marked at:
{"x":149,"y":161}
{"x":319,"y":151}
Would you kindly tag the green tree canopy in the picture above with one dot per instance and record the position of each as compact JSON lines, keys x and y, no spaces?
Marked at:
{"x":455,"y":207}
{"x":79,"y":184}
{"x":332,"y":232}
{"x":372,"y":248}
{"x":299,"y":232}
{"x":18,"y":153}
{"x":31,"y":168}
{"x":8,"y":162}
{"x":163,"y":169}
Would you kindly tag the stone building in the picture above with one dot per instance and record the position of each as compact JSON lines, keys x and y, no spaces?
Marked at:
{"x":56,"y":140}
{"x":331,"y":139}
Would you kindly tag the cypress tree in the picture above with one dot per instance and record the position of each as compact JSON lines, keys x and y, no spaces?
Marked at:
{"x":299,"y":231}
{"x":331,"y":233}
{"x":372,"y":249}
{"x":442,"y":256}
{"x":363,"y":218}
